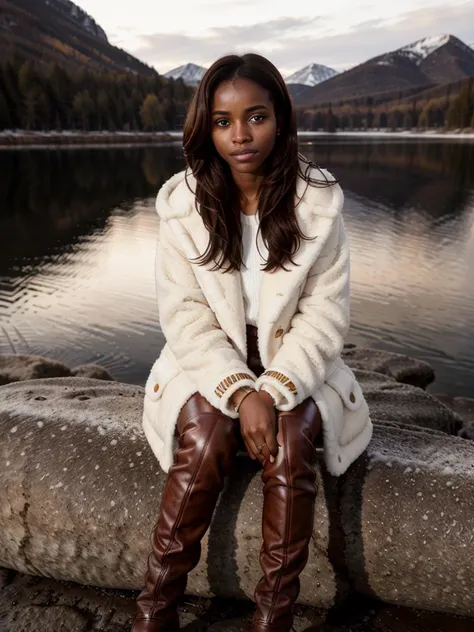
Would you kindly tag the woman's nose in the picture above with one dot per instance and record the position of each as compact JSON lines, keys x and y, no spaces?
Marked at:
{"x":241,"y":134}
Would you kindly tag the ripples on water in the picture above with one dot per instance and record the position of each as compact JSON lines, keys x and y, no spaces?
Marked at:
{"x":77,"y":247}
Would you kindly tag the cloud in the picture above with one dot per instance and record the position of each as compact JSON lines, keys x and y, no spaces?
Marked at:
{"x":291,"y":43}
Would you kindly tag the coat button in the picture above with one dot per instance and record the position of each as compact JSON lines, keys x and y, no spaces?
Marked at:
{"x":279,"y":333}
{"x":352,"y":398}
{"x":156,"y":388}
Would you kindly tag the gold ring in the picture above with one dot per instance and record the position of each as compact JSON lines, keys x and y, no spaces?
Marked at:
{"x":260,"y":447}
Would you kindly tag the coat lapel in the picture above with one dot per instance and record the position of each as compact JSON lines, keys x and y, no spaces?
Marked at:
{"x":223,"y":290}
{"x":278,"y":288}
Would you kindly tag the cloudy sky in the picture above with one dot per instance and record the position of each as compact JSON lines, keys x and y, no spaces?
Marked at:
{"x":339,"y":34}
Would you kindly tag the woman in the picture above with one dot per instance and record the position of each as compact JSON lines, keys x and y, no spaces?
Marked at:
{"x":252,"y":275}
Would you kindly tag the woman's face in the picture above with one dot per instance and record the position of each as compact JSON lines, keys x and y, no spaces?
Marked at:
{"x":243,"y":124}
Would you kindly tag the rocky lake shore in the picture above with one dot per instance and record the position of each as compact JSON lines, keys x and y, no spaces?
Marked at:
{"x":393,"y":536}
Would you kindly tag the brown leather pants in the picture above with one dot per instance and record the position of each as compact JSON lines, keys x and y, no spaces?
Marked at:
{"x":207,"y":446}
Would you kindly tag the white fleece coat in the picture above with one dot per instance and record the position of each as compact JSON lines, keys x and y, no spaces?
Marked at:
{"x":303,"y":319}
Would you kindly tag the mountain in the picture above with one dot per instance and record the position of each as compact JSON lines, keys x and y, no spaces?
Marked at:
{"x":191,"y":74}
{"x":60,"y":31}
{"x":311,"y":75}
{"x":297,"y":90}
{"x":428,"y":62}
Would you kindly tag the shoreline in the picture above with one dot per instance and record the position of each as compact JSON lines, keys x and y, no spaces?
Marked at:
{"x":20,"y":138}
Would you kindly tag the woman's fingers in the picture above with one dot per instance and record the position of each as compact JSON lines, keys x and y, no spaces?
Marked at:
{"x":271,"y":441}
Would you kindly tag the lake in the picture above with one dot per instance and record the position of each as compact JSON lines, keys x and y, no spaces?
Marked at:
{"x":77,"y":247}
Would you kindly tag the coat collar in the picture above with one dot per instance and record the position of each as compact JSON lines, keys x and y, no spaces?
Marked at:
{"x":316,"y":207}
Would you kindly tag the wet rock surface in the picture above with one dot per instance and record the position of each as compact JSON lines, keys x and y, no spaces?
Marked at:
{"x":401,"y":367}
{"x":390,"y":400}
{"x":35,"y":604}
{"x":18,"y":368}
{"x":93,"y":371}
{"x":463,"y":409}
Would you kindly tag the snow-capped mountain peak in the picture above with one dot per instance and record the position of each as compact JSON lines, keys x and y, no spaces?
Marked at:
{"x":424,"y":47}
{"x":191,"y":74}
{"x":311,"y":75}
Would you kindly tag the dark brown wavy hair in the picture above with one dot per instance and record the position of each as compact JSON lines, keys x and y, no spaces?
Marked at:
{"x":217,"y":195}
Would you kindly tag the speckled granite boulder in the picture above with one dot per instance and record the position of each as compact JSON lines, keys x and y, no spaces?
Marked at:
{"x":393,"y":401}
{"x":82,"y":489}
{"x":401,"y":367}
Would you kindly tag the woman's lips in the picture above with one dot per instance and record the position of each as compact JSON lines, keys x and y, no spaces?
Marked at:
{"x":249,"y":156}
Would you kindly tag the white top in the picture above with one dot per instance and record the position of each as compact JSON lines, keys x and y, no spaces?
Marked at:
{"x":253,"y":259}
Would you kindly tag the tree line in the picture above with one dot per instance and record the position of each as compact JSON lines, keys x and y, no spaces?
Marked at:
{"x":42,"y":97}
{"x":450,"y":111}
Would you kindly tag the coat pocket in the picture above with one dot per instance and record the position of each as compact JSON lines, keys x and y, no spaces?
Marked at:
{"x":355,"y":410}
{"x":342,"y":380}
{"x":162,"y":372}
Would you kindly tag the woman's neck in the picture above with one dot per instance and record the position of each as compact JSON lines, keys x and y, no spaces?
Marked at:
{"x":248,"y":185}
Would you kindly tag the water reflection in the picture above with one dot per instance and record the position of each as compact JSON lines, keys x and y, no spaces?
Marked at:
{"x":77,"y":240}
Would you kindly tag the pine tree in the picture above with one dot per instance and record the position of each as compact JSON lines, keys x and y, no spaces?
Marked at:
{"x":426,"y":119}
{"x":30,"y":88}
{"x":394,"y":119}
{"x":83,"y":107}
{"x":331,"y":121}
{"x":61,"y":90}
{"x":103,"y":109}
{"x":466,"y":103}
{"x":408,"y":120}
{"x":151,"y":113}
{"x":12,"y":92}
{"x":5,"y":118}
{"x":453,"y":115}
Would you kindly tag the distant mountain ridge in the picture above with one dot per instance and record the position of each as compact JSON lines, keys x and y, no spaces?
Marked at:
{"x":311,"y":75}
{"x":427,"y":62}
{"x":191,"y":74}
{"x":60,"y":31}
{"x":77,"y":15}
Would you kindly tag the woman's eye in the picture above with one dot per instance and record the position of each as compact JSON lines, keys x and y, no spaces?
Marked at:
{"x":218,"y":123}
{"x":258,"y":116}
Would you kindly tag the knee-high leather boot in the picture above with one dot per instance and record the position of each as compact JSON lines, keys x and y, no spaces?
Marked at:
{"x":288,"y":506}
{"x":208,"y":443}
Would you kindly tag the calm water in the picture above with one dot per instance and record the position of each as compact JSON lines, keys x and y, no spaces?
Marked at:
{"x":77,"y":246}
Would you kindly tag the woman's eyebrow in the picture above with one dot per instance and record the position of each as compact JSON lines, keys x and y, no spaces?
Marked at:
{"x":250,"y":109}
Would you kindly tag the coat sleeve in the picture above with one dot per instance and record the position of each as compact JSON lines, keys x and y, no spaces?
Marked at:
{"x":317,"y":330}
{"x":191,"y":329}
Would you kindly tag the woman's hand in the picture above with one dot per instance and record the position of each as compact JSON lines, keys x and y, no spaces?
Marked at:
{"x":258,"y":425}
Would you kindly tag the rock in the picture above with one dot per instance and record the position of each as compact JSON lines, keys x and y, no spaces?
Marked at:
{"x":393,"y":401}
{"x":467,"y":432}
{"x":401,"y":367}
{"x":17,"y":368}
{"x":52,"y":605}
{"x":81,"y":491}
{"x":34,"y":604}
{"x":463,"y":409}
{"x":93,"y":371}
